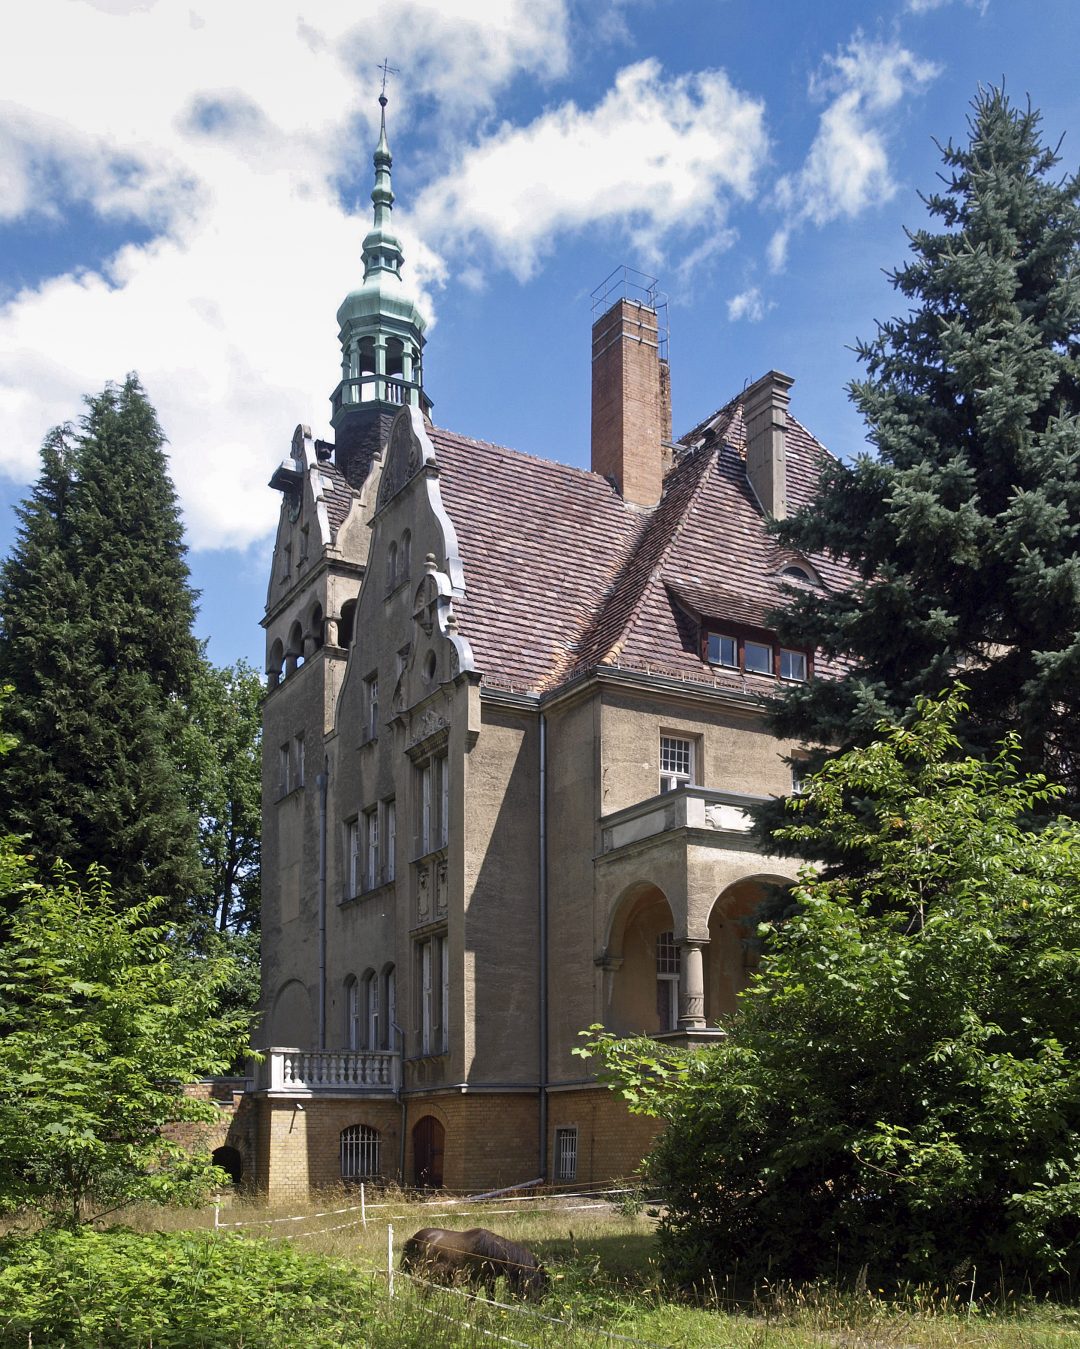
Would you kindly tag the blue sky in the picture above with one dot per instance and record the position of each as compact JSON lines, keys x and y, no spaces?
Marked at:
{"x":185,"y":190}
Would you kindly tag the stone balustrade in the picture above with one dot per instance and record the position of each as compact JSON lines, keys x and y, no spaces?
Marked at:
{"x":700,"y":809}
{"x":306,"y":1070}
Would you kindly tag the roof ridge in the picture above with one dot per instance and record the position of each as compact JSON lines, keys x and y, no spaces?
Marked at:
{"x":544,"y":459}
{"x":699,"y":459}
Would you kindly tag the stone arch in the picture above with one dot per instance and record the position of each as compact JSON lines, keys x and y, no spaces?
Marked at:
{"x":731,"y":954}
{"x":230,"y":1162}
{"x":637,"y":939}
{"x":294,"y":648}
{"x":347,"y":623}
{"x":275,"y":661}
{"x":313,"y":638}
{"x":291,"y":1020}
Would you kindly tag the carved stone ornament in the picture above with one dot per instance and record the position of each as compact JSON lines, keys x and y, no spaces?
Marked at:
{"x":427,"y":724}
{"x":425,"y":604}
{"x":404,"y":457}
{"x":712,"y":816}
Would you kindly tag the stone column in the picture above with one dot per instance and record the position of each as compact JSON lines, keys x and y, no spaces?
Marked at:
{"x":691,"y":985}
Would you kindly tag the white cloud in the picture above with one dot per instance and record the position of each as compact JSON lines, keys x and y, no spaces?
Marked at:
{"x":749,"y":305}
{"x":925,"y":6}
{"x":654,"y":157}
{"x":847,"y":167}
{"x":222,"y":125}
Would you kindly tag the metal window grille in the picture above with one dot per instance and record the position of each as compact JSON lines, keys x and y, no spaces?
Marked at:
{"x":359,"y":1152}
{"x":566,"y":1153}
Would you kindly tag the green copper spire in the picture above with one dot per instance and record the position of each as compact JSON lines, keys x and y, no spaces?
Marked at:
{"x":382,"y":248}
{"x":382,"y":329}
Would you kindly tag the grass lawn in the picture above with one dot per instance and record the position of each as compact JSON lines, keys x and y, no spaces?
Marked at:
{"x":606,"y":1290}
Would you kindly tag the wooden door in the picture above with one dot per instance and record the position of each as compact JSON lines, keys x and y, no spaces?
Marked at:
{"x":429,"y":1138}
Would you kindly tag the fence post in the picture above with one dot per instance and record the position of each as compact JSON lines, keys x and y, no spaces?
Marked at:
{"x":390,"y":1257}
{"x":217,"y":1211}
{"x":363,"y":1205}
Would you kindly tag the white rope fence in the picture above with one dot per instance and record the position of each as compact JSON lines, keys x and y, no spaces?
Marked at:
{"x":443,"y":1204}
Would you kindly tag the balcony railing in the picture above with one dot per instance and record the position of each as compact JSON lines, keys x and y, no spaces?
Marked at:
{"x":372,"y":388}
{"x":292,"y":1070}
{"x":696,"y":808}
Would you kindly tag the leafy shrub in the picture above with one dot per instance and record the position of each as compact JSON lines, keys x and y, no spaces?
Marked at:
{"x":900,"y":1090}
{"x":73,"y":1290}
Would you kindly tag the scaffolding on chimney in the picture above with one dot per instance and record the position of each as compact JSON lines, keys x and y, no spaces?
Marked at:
{"x":627,"y":283}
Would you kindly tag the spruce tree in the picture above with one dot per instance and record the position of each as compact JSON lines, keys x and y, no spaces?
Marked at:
{"x":97,"y":647}
{"x":962,"y":531}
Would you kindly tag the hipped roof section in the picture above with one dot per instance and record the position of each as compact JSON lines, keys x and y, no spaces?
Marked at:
{"x":562,"y":575}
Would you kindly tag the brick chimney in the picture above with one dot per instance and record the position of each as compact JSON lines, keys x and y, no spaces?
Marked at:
{"x":765,"y":406}
{"x":631,"y":401}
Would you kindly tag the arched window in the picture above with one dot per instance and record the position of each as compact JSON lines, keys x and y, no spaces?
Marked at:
{"x":352,"y":1014}
{"x":667,"y":981}
{"x":371,"y":1010}
{"x":390,"y":1004}
{"x":405,"y":556}
{"x":359,"y":1152}
{"x":346,"y":623}
{"x":391,"y":567}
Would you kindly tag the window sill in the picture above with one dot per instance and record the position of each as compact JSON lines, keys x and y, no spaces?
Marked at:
{"x":362,"y":895}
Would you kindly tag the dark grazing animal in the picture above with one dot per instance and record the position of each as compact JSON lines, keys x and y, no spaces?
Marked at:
{"x":476,"y":1257}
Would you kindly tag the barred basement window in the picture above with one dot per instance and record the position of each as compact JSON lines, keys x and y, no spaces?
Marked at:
{"x":359,"y":1152}
{"x":566,"y":1153}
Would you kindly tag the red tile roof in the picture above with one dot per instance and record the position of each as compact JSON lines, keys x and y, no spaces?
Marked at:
{"x":562,"y":575}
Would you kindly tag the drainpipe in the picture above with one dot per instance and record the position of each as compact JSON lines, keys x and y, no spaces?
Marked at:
{"x":402,"y":1101}
{"x":543,"y":963}
{"x":321,"y":782}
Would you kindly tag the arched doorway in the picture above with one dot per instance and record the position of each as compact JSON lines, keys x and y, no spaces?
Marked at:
{"x":429,"y":1143}
{"x":230,"y":1162}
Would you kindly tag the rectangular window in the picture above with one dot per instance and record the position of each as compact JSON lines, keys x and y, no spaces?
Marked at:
{"x":676,"y":762}
{"x":566,"y":1153}
{"x":434,"y":822}
{"x":390,"y":846}
{"x":757,"y":657}
{"x":298,"y":760}
{"x":723,"y":650}
{"x":284,"y":773}
{"x":792,"y":664}
{"x":433,"y":957}
{"x":798,"y":778}
{"x":352,"y":1015}
{"x":371,"y":849}
{"x":667,"y":981}
{"x":371,"y":707}
{"x":352,"y":858}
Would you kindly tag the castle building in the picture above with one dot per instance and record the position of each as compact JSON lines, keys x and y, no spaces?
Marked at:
{"x":512,"y":730}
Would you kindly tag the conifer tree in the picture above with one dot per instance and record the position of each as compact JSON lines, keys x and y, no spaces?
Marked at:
{"x":97,"y":647}
{"x":964,"y":530}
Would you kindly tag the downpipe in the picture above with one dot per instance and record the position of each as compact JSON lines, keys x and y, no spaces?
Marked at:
{"x":322,"y":781}
{"x":543,"y":956}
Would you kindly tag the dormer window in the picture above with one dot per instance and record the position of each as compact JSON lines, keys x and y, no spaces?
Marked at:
{"x":753,"y":655}
{"x":797,"y":574}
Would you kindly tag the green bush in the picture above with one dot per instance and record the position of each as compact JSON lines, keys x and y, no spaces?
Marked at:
{"x":73,"y":1290}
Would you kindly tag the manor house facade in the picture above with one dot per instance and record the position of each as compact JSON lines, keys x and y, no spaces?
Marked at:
{"x":512,"y":730}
